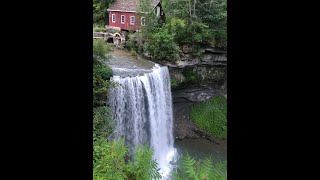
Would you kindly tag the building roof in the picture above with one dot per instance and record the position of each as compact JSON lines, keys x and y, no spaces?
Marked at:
{"x":129,"y":5}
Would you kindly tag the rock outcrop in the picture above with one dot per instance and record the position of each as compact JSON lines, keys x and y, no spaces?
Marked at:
{"x":196,"y":80}
{"x":183,"y":99}
{"x":210,"y":56}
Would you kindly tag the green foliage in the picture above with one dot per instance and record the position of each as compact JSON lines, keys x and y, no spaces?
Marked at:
{"x":194,"y":23}
{"x":101,"y":51}
{"x":152,"y":21}
{"x":98,"y":29}
{"x":135,"y":42}
{"x":101,"y":83}
{"x":161,"y":46}
{"x":103,"y":124}
{"x":206,"y":21}
{"x":111,"y":161}
{"x":103,"y":71}
{"x":177,"y":27}
{"x":211,"y":116}
{"x":100,"y":15}
{"x":190,"y":76}
{"x":214,"y":14}
{"x":200,"y":170}
{"x":189,"y":33}
{"x":144,"y":167}
{"x":174,"y":82}
{"x":131,"y":43}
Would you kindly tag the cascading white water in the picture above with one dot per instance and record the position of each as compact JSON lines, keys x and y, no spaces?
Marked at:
{"x":142,"y":109}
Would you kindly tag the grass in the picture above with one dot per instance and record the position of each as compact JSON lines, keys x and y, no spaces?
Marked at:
{"x":211,"y":116}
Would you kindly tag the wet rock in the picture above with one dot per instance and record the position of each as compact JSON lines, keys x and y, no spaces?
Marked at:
{"x":183,"y":99}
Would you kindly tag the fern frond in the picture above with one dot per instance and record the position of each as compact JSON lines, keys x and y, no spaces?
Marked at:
{"x":189,"y":167}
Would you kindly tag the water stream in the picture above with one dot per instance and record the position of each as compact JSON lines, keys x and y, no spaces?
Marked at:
{"x":142,"y":109}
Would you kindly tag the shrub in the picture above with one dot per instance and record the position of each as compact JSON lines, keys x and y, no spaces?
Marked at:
{"x":104,"y":71}
{"x":101,"y":51}
{"x":135,"y":42}
{"x":161,"y":46}
{"x":99,"y":29}
{"x":102,"y":122}
{"x":144,"y":167}
{"x":211,"y":116}
{"x":200,"y":170}
{"x":101,"y":83}
{"x":111,"y":161}
{"x":174,"y":82}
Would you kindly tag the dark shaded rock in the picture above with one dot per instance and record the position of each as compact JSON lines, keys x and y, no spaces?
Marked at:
{"x":186,"y":49}
{"x":215,"y":50}
{"x":206,"y":135}
{"x":183,"y":99}
{"x":194,"y":94}
{"x":214,"y":59}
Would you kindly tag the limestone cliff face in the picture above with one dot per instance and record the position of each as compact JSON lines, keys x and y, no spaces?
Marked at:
{"x":194,"y":80}
{"x":209,"y":67}
{"x":209,"y":56}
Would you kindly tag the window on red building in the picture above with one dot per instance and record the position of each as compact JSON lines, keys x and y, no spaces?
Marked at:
{"x":113,"y":18}
{"x":122,"y":19}
{"x":143,"y":22}
{"x":132,"y":20}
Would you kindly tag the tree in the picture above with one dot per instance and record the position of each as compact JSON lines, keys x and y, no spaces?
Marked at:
{"x":101,"y":51}
{"x":202,"y":17}
{"x":145,"y":9}
{"x":101,"y":72}
{"x":161,"y":45}
{"x":214,"y":14}
{"x":100,"y":15}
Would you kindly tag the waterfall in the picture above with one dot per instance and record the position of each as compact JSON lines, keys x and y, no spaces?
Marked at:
{"x":142,"y":109}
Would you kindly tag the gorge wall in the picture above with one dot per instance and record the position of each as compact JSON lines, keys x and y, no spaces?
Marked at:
{"x":195,"y":79}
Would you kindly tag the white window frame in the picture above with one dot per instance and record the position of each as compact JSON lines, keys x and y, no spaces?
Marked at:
{"x":144,"y":21}
{"x":158,"y":11}
{"x":134,"y":19}
{"x":113,"y":15}
{"x":124,"y":19}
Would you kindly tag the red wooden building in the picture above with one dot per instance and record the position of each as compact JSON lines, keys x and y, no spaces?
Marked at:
{"x":124,"y":14}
